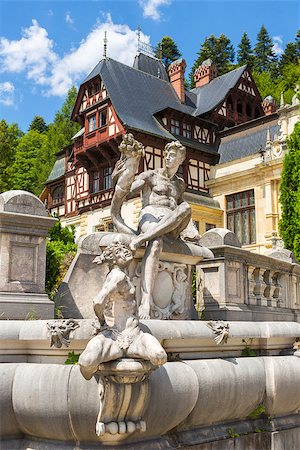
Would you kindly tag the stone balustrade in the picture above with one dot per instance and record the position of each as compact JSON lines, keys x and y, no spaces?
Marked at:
{"x":240,"y":285}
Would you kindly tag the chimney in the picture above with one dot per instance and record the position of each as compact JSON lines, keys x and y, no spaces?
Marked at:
{"x":176,"y":75}
{"x":205,"y":73}
{"x":269,"y":105}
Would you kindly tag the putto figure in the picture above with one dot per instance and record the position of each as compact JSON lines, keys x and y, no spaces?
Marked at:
{"x":164,"y":214}
{"x":116,"y":308}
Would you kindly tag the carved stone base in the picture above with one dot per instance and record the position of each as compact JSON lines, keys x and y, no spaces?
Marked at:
{"x":126,"y":382}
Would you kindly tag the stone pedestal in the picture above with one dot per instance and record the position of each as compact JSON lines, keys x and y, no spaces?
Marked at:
{"x":85,"y":279}
{"x":24,"y":225}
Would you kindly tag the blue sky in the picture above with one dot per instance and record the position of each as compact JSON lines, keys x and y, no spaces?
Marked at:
{"x":46,"y":46}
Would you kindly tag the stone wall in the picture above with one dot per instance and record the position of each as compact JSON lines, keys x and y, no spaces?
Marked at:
{"x":241,"y":285}
{"x":205,"y":396}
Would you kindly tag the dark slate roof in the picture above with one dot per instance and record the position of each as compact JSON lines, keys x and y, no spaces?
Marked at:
{"x":136,"y":96}
{"x":58,"y":169}
{"x":150,"y":65}
{"x":246,"y":142}
{"x":213,"y":93}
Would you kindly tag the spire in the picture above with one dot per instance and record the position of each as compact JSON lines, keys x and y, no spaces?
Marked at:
{"x":105,"y":44}
{"x":138,"y":32}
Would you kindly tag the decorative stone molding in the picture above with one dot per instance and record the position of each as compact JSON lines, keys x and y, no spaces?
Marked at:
{"x":60,"y":330}
{"x":221,"y":331}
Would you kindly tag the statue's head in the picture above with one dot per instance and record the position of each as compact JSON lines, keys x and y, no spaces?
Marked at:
{"x":174,"y":154}
{"x":117,"y":253}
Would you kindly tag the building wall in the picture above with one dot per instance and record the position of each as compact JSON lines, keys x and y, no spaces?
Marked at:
{"x":263,"y":175}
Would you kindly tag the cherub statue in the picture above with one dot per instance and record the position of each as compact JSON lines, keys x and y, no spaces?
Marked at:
{"x":116,"y":308}
{"x":180,"y":286}
{"x":123,"y":177}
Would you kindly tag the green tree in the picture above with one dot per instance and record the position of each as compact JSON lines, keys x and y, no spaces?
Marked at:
{"x":29,"y":169}
{"x":167,"y":51}
{"x":61,"y":249}
{"x":292,"y":52}
{"x":289,"y":225}
{"x":9,"y":136}
{"x":38,"y":124}
{"x":263,"y":51}
{"x":219,"y":50}
{"x":62,"y":129}
{"x":244,"y":53}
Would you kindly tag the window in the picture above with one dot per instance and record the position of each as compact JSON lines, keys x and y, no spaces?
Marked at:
{"x":241,"y":216}
{"x":102,"y":117}
{"x":92,"y":123}
{"x":58,"y":194}
{"x":107,"y":180}
{"x":186,"y":130}
{"x":96,"y":182}
{"x":209,"y":226}
{"x":175,"y":129}
{"x":102,"y":180}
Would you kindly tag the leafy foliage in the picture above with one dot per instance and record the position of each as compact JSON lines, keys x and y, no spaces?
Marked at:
{"x":62,"y":129}
{"x":61,"y":249}
{"x":289,"y":225}
{"x":29,"y":169}
{"x":257,"y":412}
{"x":9,"y":136}
{"x":167,"y":51}
{"x":27,"y":159}
{"x":247,"y":350}
{"x":72,"y":358}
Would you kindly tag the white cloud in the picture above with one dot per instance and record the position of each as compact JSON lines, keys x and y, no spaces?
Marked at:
{"x":34,"y":54}
{"x":69,"y":19}
{"x":150,"y":8}
{"x":277,"y":45}
{"x":7,"y":91}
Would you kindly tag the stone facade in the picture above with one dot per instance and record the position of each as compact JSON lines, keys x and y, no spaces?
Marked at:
{"x":24,"y":225}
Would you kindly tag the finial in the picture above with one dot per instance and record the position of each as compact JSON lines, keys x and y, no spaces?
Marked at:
{"x":105,"y":44}
{"x":281,"y":100}
{"x":268,"y":140}
{"x":139,"y":35}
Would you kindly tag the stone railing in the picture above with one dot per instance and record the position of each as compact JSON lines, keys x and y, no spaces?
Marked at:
{"x":242,"y":285}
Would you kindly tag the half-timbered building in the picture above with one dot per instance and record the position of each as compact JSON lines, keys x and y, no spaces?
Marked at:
{"x":155,"y":106}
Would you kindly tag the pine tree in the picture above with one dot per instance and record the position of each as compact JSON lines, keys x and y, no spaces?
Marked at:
{"x":9,"y":136}
{"x":292,"y":52}
{"x":289,"y":225}
{"x":244,"y":53}
{"x":219,"y":50}
{"x":263,"y":51}
{"x":167,"y":51}
{"x":38,"y":124}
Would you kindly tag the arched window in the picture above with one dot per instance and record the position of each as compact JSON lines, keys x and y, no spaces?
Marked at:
{"x":256,"y":112}
{"x":58,"y":194}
